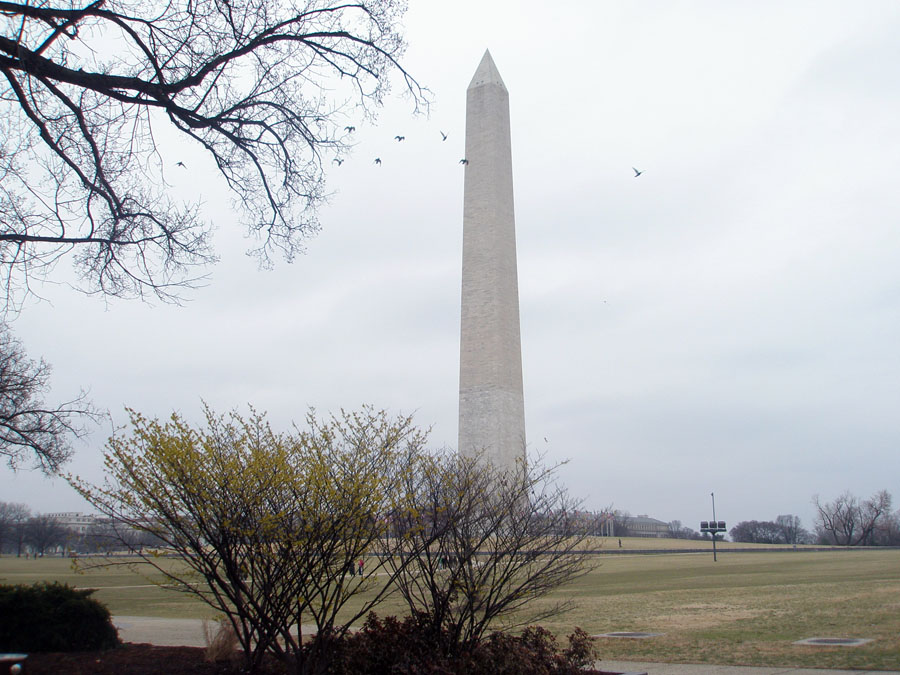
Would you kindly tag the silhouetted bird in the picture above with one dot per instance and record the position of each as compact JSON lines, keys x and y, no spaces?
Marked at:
{"x":636,"y":172}
{"x":400,"y":138}
{"x":181,"y":164}
{"x":378,"y":161}
{"x":463,"y":161}
{"x":443,"y":135}
{"x":349,"y":130}
{"x":338,"y":161}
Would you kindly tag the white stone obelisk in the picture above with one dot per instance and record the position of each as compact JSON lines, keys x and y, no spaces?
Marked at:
{"x":491,"y":402}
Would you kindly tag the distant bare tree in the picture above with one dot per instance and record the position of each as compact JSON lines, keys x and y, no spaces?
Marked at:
{"x":888,"y":531}
{"x":30,"y":429}
{"x":847,"y":521}
{"x":792,"y":529}
{"x":12,"y":517}
{"x":678,"y":531}
{"x":620,"y":523}
{"x":101,"y":537}
{"x":264,"y":87}
{"x":757,"y":532}
{"x":20,"y":526}
{"x":43,"y":533}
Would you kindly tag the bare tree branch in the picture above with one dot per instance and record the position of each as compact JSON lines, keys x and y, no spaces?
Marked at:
{"x":30,"y":430}
{"x":485,"y":544}
{"x":263,"y":86}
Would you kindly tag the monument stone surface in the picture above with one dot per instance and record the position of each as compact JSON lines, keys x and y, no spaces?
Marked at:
{"x":491,"y":402}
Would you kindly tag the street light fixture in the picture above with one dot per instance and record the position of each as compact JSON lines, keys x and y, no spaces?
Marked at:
{"x":713,"y":526}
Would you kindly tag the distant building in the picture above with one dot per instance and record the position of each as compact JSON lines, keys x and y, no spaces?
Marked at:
{"x":74,"y":520}
{"x":644,"y":526}
{"x":612,"y":524}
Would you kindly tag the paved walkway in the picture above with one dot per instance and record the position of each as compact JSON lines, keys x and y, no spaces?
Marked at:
{"x":189,"y":633}
{"x":168,"y":632}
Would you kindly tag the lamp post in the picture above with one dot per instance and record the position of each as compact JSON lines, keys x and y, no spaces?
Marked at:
{"x":713,"y":526}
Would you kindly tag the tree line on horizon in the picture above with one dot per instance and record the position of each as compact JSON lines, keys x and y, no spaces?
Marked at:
{"x":23,"y":532}
{"x":845,"y":521}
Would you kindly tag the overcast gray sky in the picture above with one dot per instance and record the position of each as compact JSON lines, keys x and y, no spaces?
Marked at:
{"x":729,"y":321}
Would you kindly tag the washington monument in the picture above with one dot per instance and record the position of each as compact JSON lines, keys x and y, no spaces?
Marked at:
{"x":491,"y":403}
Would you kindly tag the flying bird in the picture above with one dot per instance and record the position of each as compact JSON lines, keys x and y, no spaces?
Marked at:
{"x":378,"y":161}
{"x":338,"y":161}
{"x":463,"y":161}
{"x":636,"y":172}
{"x":349,"y":130}
{"x":443,"y":135}
{"x":181,"y":164}
{"x":400,"y":138}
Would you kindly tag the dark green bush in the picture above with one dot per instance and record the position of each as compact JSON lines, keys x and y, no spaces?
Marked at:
{"x":52,"y":617}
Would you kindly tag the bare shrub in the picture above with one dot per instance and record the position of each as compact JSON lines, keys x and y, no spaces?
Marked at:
{"x":483,"y":543}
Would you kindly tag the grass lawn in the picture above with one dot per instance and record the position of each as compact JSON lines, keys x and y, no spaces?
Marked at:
{"x":746,"y":609}
{"x":122,"y":589}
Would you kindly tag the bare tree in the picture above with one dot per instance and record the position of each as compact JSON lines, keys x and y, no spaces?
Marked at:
{"x":888,"y":531}
{"x":679,"y":531}
{"x":675,"y":529}
{"x":43,"y":533}
{"x":838,"y":519}
{"x":620,"y":523}
{"x":873,"y":512}
{"x":101,"y":537}
{"x":12,"y":516}
{"x":20,"y":525}
{"x":484,"y":546}
{"x":757,"y":532}
{"x":792,"y":529}
{"x":264,"y":87}
{"x":847,"y":521}
{"x":30,"y":429}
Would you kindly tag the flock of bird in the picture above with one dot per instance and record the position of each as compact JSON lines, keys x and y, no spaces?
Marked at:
{"x":399,"y":139}
{"x":444,"y":137}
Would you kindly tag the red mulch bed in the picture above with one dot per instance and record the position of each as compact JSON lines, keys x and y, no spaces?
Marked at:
{"x":145,"y":659}
{"x":137,"y":659}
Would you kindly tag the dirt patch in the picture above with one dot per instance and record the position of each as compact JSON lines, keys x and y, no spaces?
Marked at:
{"x":699,"y":616}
